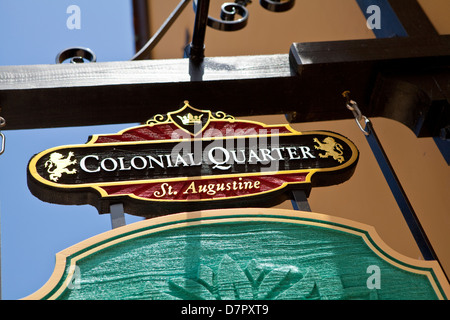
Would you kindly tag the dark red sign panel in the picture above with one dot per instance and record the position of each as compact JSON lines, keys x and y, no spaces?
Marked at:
{"x":191,"y":159}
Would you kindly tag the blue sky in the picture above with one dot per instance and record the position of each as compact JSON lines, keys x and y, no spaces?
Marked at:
{"x":32,"y":231}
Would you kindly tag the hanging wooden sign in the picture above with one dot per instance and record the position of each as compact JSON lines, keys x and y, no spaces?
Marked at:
{"x":191,"y":159}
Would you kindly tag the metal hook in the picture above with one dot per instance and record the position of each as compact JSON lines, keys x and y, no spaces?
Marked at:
{"x":366,"y":121}
{"x":353,"y":107}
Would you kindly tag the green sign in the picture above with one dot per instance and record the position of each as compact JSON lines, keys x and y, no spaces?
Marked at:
{"x":235,"y":254}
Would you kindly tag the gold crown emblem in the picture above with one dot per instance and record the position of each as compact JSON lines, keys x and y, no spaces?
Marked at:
{"x":190,"y":119}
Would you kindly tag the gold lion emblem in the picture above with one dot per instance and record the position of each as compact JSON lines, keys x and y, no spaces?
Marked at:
{"x":57,"y":165}
{"x":331,"y":148}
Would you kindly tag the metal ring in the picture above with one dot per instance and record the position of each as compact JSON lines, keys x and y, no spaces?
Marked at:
{"x":2,"y":146}
{"x":77,"y":55}
{"x":2,"y":122}
{"x":366,"y":121}
{"x":277,"y":5}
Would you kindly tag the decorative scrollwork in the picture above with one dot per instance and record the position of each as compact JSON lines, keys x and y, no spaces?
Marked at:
{"x":277,"y":5}
{"x":228,"y":21}
{"x":229,"y":11}
{"x":158,"y":119}
{"x":220,"y":115}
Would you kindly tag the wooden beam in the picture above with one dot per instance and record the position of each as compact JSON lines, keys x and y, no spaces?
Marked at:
{"x":398,"y":78}
{"x":306,"y":84}
{"x":119,"y":92}
{"x":413,"y":18}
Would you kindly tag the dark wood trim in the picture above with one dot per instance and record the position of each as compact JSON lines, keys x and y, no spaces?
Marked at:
{"x":306,"y":84}
{"x":121,"y":92}
{"x":413,"y":19}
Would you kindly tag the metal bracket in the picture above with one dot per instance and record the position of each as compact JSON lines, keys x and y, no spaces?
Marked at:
{"x":394,"y":183}
{"x":300,"y":201}
{"x":117,"y":215}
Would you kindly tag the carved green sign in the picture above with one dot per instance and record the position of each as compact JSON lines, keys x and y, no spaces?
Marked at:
{"x":248,"y":254}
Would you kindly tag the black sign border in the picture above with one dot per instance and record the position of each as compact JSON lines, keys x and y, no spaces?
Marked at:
{"x":93,"y":194}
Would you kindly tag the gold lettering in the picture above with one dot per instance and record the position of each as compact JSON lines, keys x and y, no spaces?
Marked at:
{"x":203,"y":188}
{"x":161,"y":193}
{"x":212,"y":188}
{"x":247,"y":185}
{"x":191,"y":187}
